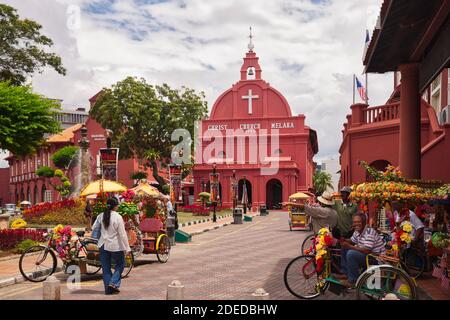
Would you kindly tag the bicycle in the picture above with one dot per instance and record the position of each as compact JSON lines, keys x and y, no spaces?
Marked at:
{"x":39,"y":262}
{"x":303,"y":279}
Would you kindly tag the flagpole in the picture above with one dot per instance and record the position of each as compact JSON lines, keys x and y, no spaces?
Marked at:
{"x":367,"y":90}
{"x":354,"y":88}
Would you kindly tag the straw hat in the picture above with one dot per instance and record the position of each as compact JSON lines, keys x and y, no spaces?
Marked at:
{"x":326,"y":198}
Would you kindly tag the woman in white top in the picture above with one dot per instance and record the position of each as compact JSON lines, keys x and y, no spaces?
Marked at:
{"x":113,"y":244}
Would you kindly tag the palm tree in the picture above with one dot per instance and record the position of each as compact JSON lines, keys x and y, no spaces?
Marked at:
{"x":322,"y":181}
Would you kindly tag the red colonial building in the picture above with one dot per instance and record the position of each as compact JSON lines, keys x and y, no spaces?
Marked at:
{"x":412,"y":130}
{"x":251,"y":131}
{"x":24,"y":184}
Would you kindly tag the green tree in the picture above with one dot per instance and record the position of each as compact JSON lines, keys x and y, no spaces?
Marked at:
{"x":143,"y":117}
{"x":25,"y":118}
{"x":322,"y":181}
{"x":21,"y":48}
{"x":63,"y":158}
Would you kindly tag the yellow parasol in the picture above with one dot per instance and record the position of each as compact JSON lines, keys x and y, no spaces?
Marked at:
{"x":299,"y":196}
{"x":101,"y":186}
{"x":146,"y":189}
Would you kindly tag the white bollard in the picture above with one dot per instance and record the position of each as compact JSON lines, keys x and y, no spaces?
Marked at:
{"x":175,"y":291}
{"x":51,"y":289}
{"x":390,"y":296}
{"x":260,"y":294}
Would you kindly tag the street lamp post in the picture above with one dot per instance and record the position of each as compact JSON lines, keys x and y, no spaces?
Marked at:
{"x":84,"y":145}
{"x":246,"y":196}
{"x":214,"y":200}
{"x":233,"y":185}
{"x":203,"y":184}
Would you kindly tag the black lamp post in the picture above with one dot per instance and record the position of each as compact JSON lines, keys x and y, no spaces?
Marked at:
{"x":203,"y":184}
{"x":233,"y":185}
{"x":214,"y":200}
{"x":84,"y":145}
{"x":246,"y":196}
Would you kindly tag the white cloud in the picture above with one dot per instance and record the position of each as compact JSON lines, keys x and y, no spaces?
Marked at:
{"x":308,"y":50}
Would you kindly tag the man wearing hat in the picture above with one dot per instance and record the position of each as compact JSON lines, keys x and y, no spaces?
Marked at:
{"x":345,"y":210}
{"x":324,"y":215}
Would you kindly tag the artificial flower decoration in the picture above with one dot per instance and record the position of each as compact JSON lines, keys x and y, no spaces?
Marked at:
{"x":407,"y":226}
{"x":62,"y":241}
{"x":405,"y":237}
{"x":322,"y":241}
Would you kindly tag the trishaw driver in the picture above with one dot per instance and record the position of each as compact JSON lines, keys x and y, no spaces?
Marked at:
{"x":323,"y":216}
{"x":345,"y":210}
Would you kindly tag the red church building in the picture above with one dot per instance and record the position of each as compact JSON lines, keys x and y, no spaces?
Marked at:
{"x":252,"y":133}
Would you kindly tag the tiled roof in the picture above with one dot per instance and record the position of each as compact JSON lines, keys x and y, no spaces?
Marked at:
{"x":64,"y":136}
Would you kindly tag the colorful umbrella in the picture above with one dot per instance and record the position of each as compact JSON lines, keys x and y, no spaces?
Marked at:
{"x":101,"y":186}
{"x":299,"y":196}
{"x":147,"y":190}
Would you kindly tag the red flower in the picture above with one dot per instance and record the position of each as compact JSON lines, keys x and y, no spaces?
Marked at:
{"x":328,"y":240}
{"x":319,"y":264}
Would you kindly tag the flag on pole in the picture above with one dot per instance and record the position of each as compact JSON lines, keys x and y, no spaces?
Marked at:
{"x":366,"y":44}
{"x":361,"y":89}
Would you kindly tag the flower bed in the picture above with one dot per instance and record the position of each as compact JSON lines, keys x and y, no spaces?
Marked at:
{"x":47,"y":207}
{"x":69,"y":211}
{"x":9,"y":238}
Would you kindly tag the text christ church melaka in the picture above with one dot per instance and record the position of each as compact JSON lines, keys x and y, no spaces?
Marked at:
{"x":259,"y":111}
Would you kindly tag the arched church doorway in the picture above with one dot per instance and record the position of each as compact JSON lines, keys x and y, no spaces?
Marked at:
{"x":248,"y":187}
{"x":274,"y":194}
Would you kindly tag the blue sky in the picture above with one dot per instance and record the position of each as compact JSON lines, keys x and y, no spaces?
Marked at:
{"x":308,"y":49}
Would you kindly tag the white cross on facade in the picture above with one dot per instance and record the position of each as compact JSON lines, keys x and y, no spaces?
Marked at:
{"x":250,"y":98}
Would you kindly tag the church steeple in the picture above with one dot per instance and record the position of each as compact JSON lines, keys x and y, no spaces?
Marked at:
{"x":251,"y":66}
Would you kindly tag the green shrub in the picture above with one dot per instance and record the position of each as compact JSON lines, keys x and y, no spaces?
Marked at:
{"x":64,"y":156}
{"x":58,"y":173}
{"x":21,"y":247}
{"x":45,"y":172}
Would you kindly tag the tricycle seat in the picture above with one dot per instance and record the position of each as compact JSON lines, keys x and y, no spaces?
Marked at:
{"x":151,"y":225}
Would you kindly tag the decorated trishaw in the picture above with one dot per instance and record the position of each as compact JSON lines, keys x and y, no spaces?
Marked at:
{"x":78,"y":253}
{"x":387,"y":202}
{"x":297,"y":216}
{"x":146,"y":216}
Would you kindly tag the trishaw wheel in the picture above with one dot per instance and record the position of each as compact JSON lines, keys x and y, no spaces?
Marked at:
{"x":163,"y":250}
{"x":413,"y":262}
{"x":129,"y":262}
{"x":377,"y":282}
{"x":37,"y":263}
{"x":301,"y":278}
{"x":307,"y":243}
{"x":92,"y":269}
